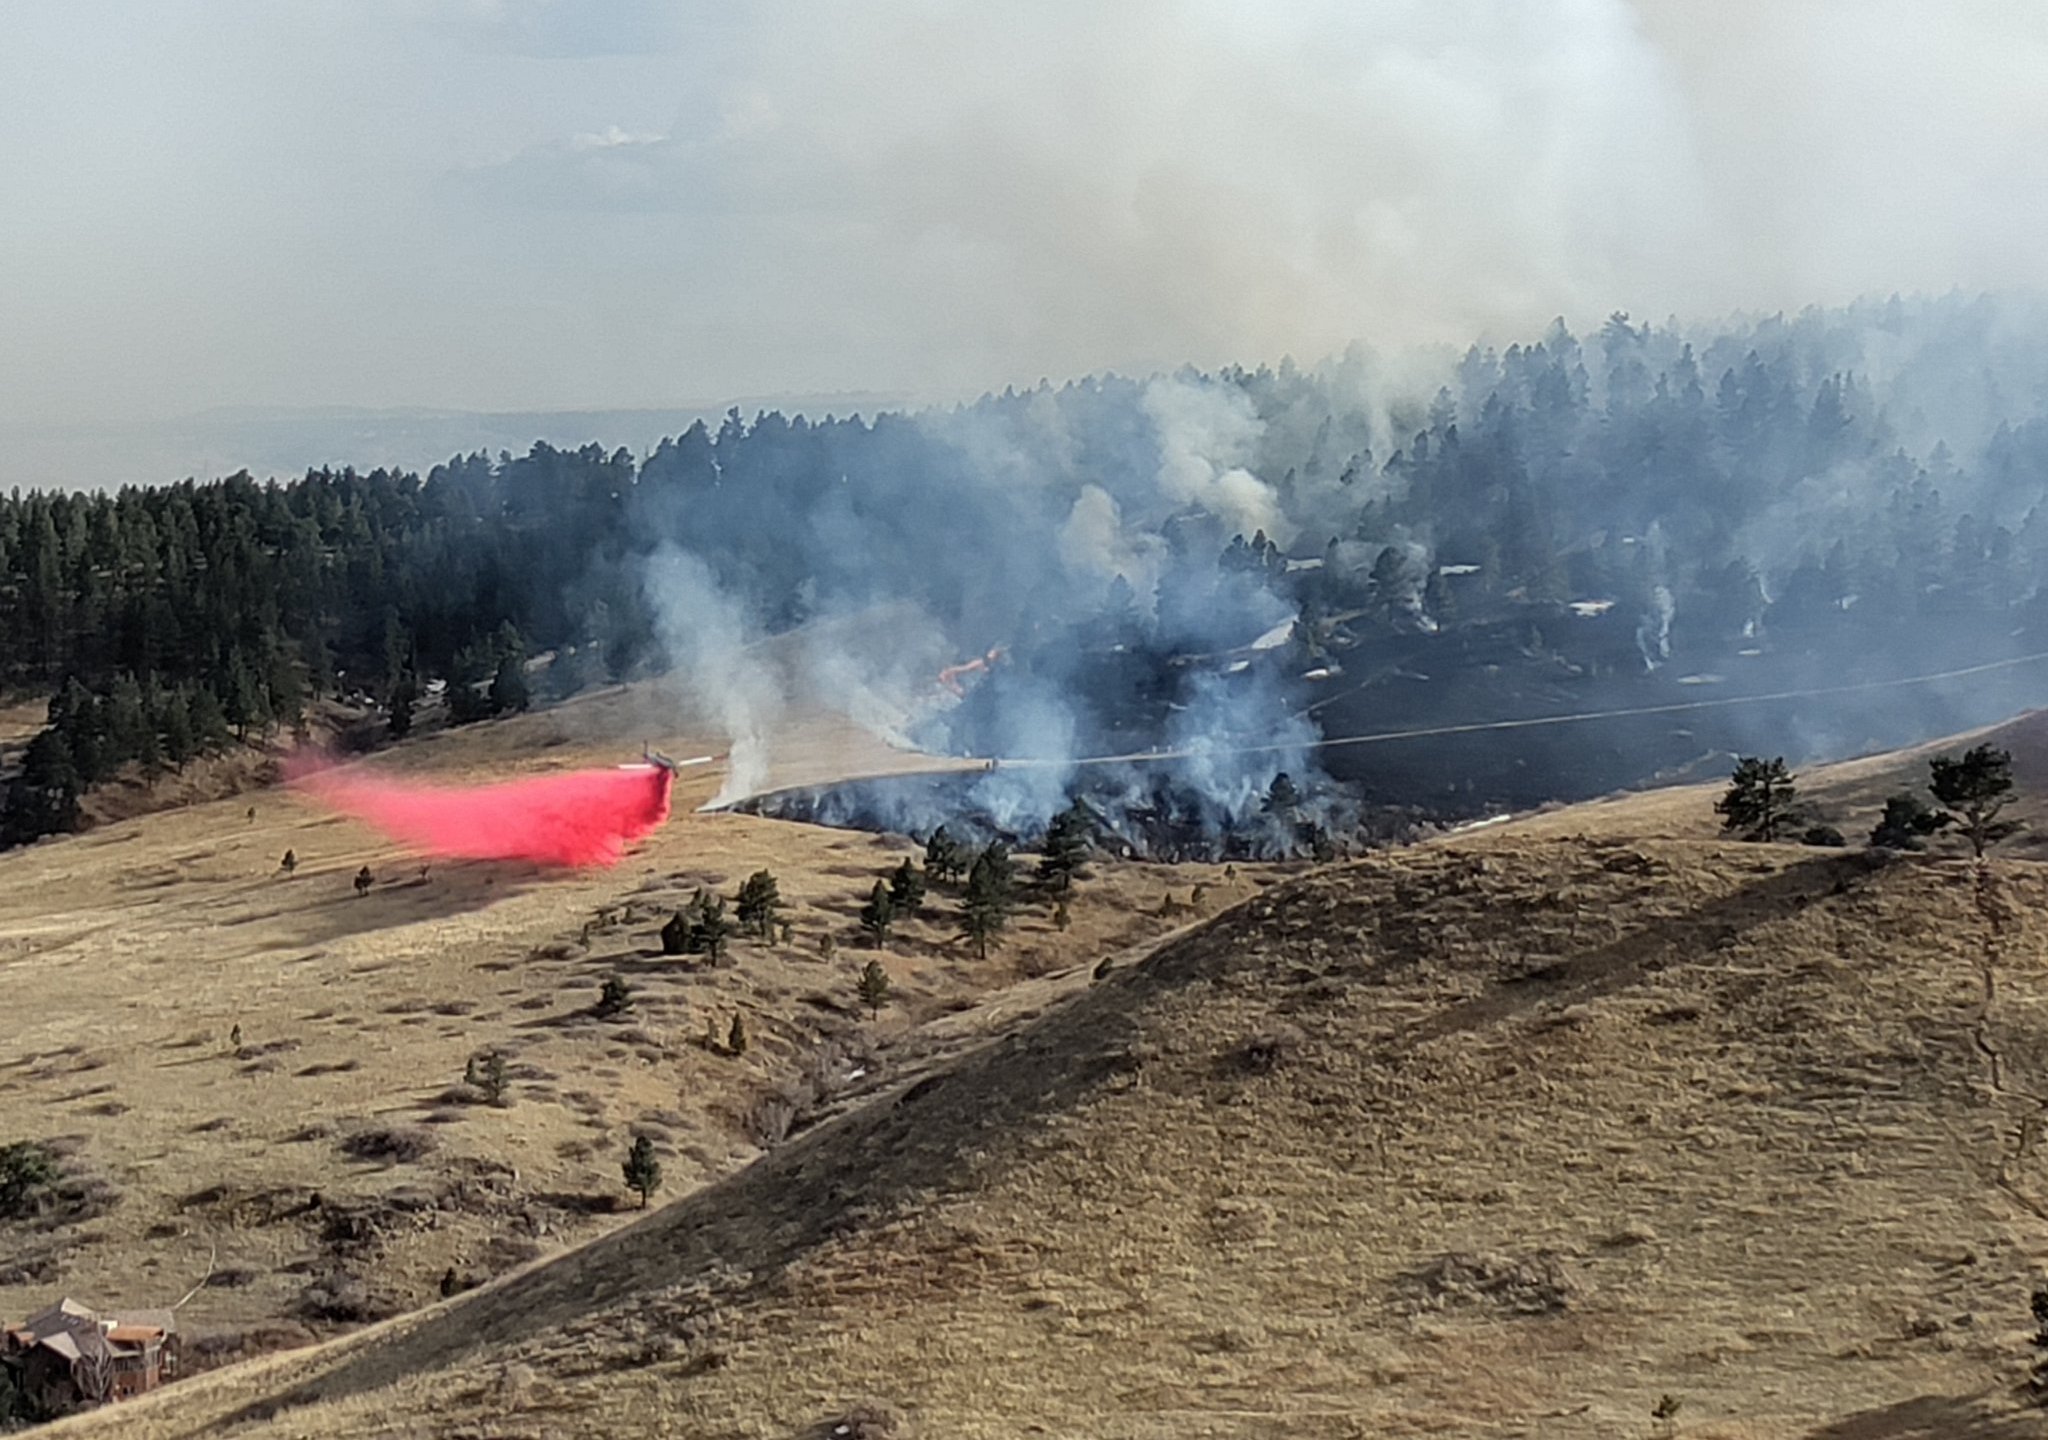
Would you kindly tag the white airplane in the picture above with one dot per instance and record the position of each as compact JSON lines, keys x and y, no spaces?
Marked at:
{"x":655,"y":757}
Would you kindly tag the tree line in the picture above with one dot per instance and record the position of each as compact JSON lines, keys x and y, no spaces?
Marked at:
{"x":1747,"y":485}
{"x":1973,"y":789}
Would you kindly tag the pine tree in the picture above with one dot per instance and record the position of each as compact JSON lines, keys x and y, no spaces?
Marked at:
{"x":713,"y":928}
{"x":759,"y":899}
{"x":1906,"y":824}
{"x":874,"y":987}
{"x":1282,"y":798}
{"x":509,"y":690}
{"x":1978,"y":786}
{"x":402,"y":702}
{"x":490,"y":1077}
{"x":1066,"y":848}
{"x":471,"y":668}
{"x":641,"y":1169}
{"x":943,"y":858}
{"x":877,"y":914}
{"x":174,"y":718}
{"x":676,"y":935}
{"x":1759,"y":802}
{"x":43,"y":798}
{"x":906,"y":890}
{"x":985,"y":909}
{"x":209,"y":720}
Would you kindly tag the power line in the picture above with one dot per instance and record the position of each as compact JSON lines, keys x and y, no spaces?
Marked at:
{"x":1532,"y":722}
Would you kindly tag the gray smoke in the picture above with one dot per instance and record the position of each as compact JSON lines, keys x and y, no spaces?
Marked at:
{"x":1189,"y":518}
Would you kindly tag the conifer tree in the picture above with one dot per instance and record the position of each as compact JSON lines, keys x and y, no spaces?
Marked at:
{"x":402,"y":702}
{"x":676,"y":935}
{"x":874,"y":987}
{"x":174,"y":718}
{"x":641,"y":1169}
{"x":1282,"y":798}
{"x":509,"y":690}
{"x":1759,"y":801}
{"x":906,"y":889}
{"x":492,"y":1078}
{"x":1976,"y":787}
{"x":877,"y":915}
{"x":713,"y":928}
{"x":943,"y":858}
{"x":1066,"y":847}
{"x":985,"y":909}
{"x":759,"y":899}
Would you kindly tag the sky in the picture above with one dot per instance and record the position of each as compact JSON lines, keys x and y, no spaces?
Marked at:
{"x":246,"y":210}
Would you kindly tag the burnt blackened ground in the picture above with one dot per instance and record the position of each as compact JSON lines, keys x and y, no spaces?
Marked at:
{"x":1135,"y":815}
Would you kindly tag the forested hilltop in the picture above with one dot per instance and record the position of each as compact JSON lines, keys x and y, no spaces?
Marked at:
{"x":1837,"y":478}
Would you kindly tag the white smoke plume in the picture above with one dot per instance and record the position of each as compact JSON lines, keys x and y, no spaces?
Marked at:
{"x":1207,"y":434}
{"x":705,"y":633}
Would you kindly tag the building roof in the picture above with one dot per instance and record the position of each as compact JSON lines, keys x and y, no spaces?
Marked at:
{"x":63,"y":1343}
{"x":61,"y":1315}
{"x":73,"y":1330}
{"x":163,"y":1320}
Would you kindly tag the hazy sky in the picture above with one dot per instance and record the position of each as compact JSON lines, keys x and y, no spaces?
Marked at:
{"x":528,"y":204}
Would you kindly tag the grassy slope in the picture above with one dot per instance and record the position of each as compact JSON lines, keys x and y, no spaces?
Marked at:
{"x":1756,"y":1126}
{"x":128,"y":954}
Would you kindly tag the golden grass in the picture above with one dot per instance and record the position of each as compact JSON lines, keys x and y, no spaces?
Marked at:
{"x":1506,"y":1135}
{"x":1502,"y":1137}
{"x":129,"y":954}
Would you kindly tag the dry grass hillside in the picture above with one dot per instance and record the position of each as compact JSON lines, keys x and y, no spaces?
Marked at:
{"x":1849,"y":795}
{"x":1506,"y":1136}
{"x":265,"y":1073}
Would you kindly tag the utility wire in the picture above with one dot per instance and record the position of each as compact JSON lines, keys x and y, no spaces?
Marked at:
{"x":1474,"y":727}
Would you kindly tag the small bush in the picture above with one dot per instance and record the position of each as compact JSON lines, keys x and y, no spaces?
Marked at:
{"x":344,"y":1298}
{"x":1268,"y":1050}
{"x":864,"y":1422}
{"x":1824,"y":835}
{"x":389,"y":1144}
{"x":26,"y":1169}
{"x":615,"y":999}
{"x":768,"y":1118}
{"x":1534,"y":1284}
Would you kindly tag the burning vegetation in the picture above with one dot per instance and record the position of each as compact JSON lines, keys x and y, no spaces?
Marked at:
{"x":1124,"y":812}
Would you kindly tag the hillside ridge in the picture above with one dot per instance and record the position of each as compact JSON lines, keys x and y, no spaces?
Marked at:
{"x":1361,"y":1072}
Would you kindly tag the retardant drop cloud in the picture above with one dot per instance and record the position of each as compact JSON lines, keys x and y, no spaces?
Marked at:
{"x":580,"y":819}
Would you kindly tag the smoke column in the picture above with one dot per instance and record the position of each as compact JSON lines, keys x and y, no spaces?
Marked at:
{"x":584,"y":818}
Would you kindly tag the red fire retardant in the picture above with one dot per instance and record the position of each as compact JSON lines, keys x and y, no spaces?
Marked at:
{"x":583,"y":818}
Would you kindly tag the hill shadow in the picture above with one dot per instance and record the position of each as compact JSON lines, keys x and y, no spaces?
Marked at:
{"x":317,"y":909}
{"x":1677,"y":939}
{"x":938,"y":1135}
{"x":1937,"y":1417}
